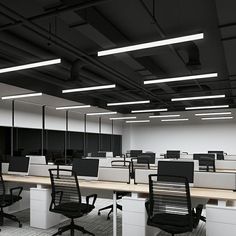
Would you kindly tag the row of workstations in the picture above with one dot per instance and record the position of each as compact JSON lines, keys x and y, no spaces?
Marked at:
{"x":95,"y":178}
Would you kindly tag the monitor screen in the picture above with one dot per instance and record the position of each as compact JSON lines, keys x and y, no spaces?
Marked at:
{"x":173,"y":154}
{"x":219,"y":154}
{"x":19,"y":164}
{"x":86,"y":167}
{"x":177,"y":168}
{"x":101,"y":154}
{"x":198,"y":156}
{"x":135,"y":153}
{"x":145,"y":158}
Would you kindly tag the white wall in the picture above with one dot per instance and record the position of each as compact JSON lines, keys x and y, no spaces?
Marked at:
{"x":5,"y":113}
{"x":192,"y":138}
{"x":75,"y":122}
{"x":28,"y":115}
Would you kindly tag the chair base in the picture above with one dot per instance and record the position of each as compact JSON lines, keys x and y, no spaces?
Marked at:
{"x":72,"y":227}
{"x":10,"y":217}
{"x":109,"y":207}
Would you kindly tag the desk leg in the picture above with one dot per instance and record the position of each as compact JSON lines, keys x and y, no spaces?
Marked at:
{"x":114,"y":214}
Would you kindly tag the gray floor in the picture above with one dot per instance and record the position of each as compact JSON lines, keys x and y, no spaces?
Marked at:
{"x":92,"y":222}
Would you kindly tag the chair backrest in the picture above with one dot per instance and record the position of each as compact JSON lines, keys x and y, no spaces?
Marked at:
{"x":169,"y":195}
{"x":65,"y":187}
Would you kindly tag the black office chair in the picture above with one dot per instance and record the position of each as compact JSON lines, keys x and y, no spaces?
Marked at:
{"x":8,"y":199}
{"x":67,"y":200}
{"x":169,"y":205}
{"x":119,"y":194}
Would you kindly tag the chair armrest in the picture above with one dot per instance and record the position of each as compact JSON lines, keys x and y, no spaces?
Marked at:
{"x":17,"y":191}
{"x":94,"y":196}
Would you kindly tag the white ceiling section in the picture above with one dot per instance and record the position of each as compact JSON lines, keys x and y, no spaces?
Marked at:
{"x":47,"y":100}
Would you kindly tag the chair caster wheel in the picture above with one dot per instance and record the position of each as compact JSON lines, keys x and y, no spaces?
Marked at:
{"x":108,"y":218}
{"x":99,"y":213}
{"x":20,"y":225}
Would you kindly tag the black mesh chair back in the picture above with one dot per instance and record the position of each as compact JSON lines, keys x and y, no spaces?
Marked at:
{"x":169,"y":205}
{"x":65,"y":189}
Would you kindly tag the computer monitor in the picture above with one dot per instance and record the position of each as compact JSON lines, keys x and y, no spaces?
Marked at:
{"x":135,"y":153}
{"x":37,"y":160}
{"x":86,"y":168}
{"x":197,"y":156}
{"x":19,"y":165}
{"x":101,"y":154}
{"x":177,"y":168}
{"x":219,"y":154}
{"x":146,"y":158}
{"x":206,"y":161}
{"x":172,"y":154}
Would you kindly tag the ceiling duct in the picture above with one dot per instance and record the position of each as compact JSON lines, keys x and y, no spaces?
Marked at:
{"x":76,"y":68}
{"x":192,"y":51}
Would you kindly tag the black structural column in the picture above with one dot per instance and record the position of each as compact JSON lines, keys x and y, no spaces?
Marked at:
{"x":66,"y":135}
{"x":43,"y":129}
{"x":12,"y":126}
{"x":85,"y":131}
{"x":112,"y":137}
{"x":100,"y":135}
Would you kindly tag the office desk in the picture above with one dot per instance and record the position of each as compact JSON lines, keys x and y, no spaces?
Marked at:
{"x":222,"y":196}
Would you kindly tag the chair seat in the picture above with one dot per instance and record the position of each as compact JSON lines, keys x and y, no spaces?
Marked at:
{"x":73,"y":209}
{"x":8,"y":199}
{"x":171,"y":223}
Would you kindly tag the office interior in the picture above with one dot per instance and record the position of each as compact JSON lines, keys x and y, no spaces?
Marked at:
{"x":117,"y":118}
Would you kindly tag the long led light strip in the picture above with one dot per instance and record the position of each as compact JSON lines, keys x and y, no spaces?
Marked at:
{"x":137,"y":121}
{"x":123,"y":118}
{"x":213,"y":114}
{"x":127,"y":103}
{"x":170,"y":120}
{"x":181,"y":78}
{"x":22,"y":96}
{"x":72,"y":107}
{"x":150,"y":110}
{"x":218,"y":118}
{"x":102,"y":113}
{"x":198,"y":98}
{"x":164,"y":116}
{"x":31,"y":65}
{"x":151,"y":44}
{"x":206,"y":107}
{"x":89,"y":88}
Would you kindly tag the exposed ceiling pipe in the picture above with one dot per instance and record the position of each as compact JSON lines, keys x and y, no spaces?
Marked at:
{"x":163,"y":35}
{"x":75,"y":51}
{"x":62,"y":10}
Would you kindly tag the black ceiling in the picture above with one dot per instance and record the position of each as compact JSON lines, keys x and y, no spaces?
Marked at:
{"x":74,"y":30}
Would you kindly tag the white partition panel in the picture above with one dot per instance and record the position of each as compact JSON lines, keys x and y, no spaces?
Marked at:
{"x":55,"y":119}
{"x":92,"y":124}
{"x":106,"y":126}
{"x":76,"y":122}
{"x":6,"y":114}
{"x":28,"y":115}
